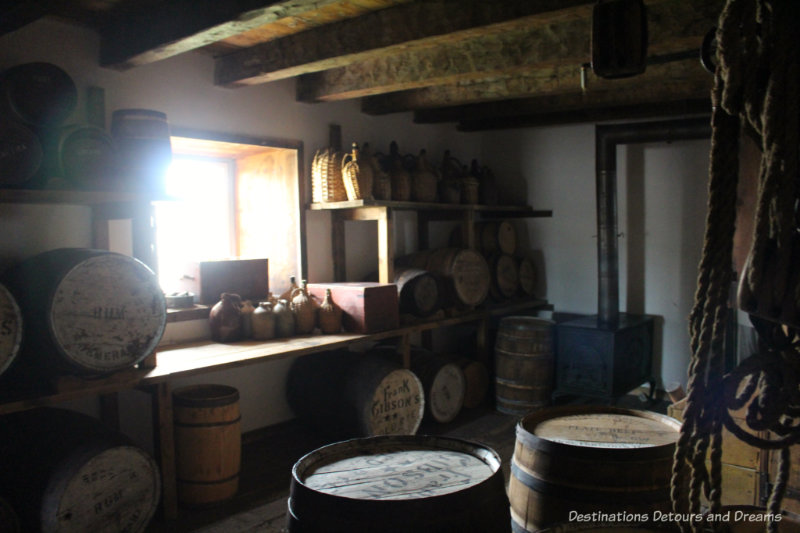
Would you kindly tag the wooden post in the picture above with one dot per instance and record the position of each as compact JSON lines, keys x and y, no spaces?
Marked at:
{"x":109,"y":410}
{"x":338,"y":246}
{"x":164,"y":437}
{"x":385,"y":248}
{"x":482,"y":341}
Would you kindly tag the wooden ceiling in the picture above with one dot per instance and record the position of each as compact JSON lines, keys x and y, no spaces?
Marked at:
{"x":480,"y":63}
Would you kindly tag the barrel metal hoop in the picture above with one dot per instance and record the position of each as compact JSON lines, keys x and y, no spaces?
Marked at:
{"x":221,"y":423}
{"x":214,"y":482}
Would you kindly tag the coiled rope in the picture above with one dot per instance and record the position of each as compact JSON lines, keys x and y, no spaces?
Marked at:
{"x":755,"y":90}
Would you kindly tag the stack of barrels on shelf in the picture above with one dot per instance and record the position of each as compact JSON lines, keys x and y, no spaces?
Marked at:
{"x":345,"y":394}
{"x":64,"y":471}
{"x":78,"y":311}
{"x":39,"y":149}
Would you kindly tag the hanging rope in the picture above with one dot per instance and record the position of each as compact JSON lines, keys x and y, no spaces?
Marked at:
{"x":756,"y":90}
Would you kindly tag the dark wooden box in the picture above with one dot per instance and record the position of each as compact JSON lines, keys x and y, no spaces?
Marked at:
{"x":368,"y":307}
{"x":249,"y":278}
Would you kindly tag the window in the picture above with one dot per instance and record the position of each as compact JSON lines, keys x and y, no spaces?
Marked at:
{"x":233,"y":197}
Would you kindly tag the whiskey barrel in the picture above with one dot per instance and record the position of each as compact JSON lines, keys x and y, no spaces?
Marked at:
{"x":399,"y":484}
{"x":87,"y":311}
{"x":497,"y":237}
{"x":465,"y":272}
{"x":443,"y":382}
{"x":418,"y":291}
{"x":524,"y":364}
{"x":10,"y":328}
{"x":505,"y":276}
{"x":66,"y":473}
{"x":38,"y":94}
{"x":476,"y":377}
{"x":590,"y":458}
{"x":343,"y":395}
{"x":208,"y":443}
{"x":20,"y":155}
{"x":144,"y":149}
{"x":527,"y":275}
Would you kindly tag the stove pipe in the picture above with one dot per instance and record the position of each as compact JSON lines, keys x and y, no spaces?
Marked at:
{"x":607,"y":137}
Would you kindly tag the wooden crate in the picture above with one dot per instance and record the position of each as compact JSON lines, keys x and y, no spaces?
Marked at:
{"x":368,"y":307}
{"x":249,"y":278}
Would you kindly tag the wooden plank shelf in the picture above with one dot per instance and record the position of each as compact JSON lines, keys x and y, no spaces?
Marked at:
{"x":73,"y":197}
{"x":486,"y":210}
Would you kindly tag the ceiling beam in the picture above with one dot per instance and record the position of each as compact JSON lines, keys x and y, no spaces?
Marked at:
{"x":142,"y":34}
{"x":15,"y":14}
{"x":674,"y":26}
{"x":419,"y":24}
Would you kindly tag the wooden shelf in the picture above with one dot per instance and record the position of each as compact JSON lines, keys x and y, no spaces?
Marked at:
{"x":486,"y":210}
{"x":74,"y":197}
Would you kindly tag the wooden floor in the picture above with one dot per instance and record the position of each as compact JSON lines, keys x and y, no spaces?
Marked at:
{"x":269,"y":454}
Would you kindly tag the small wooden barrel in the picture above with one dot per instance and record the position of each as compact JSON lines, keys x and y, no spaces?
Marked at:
{"x":38,"y":94}
{"x":466,"y":273}
{"x":69,"y":474}
{"x":505,"y":276}
{"x":208,"y":443}
{"x":10,"y":329}
{"x":144,"y":150}
{"x":524,"y":364}
{"x":476,"y":377}
{"x":85,"y":156}
{"x":443,"y":382}
{"x":418,"y":291}
{"x":497,"y":237}
{"x":87,"y":311}
{"x":20,"y":155}
{"x":590,"y":458}
{"x":344,"y":394}
{"x":399,"y":484}
{"x":527,"y":276}
{"x":9,"y":521}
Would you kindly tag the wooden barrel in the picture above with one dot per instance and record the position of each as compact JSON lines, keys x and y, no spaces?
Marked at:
{"x":144,"y":150}
{"x":38,"y":94}
{"x":418,"y":291}
{"x":9,"y":521}
{"x":20,"y":155}
{"x":66,"y":473}
{"x":343,"y":394}
{"x":524,"y":364}
{"x":476,"y":377}
{"x":466,"y":274}
{"x":10,"y":329}
{"x":85,"y":156}
{"x":443,"y":382}
{"x":527,"y":275}
{"x":505,"y":276}
{"x":590,"y":458}
{"x":497,"y":237}
{"x":399,"y":484}
{"x":208,"y":443}
{"x":87,"y":311}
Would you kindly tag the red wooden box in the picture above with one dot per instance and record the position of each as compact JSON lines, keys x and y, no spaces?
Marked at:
{"x":249,"y":278}
{"x":368,"y":307}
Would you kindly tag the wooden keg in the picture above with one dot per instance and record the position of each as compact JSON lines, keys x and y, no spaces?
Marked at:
{"x":208,"y":443}
{"x":524,"y":364}
{"x":476,"y":377}
{"x":38,"y":94}
{"x":87,"y":311}
{"x":505,"y":276}
{"x":418,"y":291}
{"x":21,"y":155}
{"x":466,"y":274}
{"x":399,"y":484}
{"x":10,"y":329}
{"x":497,"y":237}
{"x":343,"y":394}
{"x":66,"y":473}
{"x":85,"y":156}
{"x":590,"y":458}
{"x":444,"y":384}
{"x":143,"y":148}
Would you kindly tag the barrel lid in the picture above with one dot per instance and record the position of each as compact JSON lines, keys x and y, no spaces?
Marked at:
{"x":598,"y":431}
{"x":39,"y":93}
{"x":359,"y":468}
{"x":205,"y":395}
{"x":10,"y":328}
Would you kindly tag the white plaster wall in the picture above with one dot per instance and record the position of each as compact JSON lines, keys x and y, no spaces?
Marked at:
{"x":661,"y":216}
